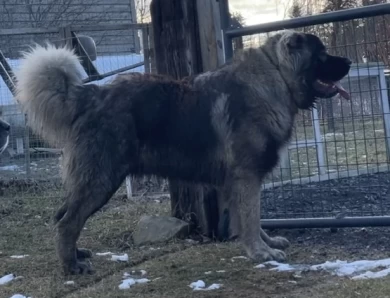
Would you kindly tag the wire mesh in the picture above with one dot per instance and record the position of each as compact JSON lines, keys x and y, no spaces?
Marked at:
{"x":352,"y":168}
{"x":343,"y":167}
{"x":30,"y":167}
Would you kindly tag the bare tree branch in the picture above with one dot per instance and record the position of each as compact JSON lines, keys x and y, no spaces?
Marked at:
{"x":143,"y":11}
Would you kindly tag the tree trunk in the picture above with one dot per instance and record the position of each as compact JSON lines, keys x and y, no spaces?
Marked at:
{"x":179,"y":43}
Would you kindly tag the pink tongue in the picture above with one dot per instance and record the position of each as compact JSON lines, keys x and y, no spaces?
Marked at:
{"x":342,"y":91}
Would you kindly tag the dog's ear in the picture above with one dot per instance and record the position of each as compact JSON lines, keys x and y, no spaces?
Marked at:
{"x":295,"y":41}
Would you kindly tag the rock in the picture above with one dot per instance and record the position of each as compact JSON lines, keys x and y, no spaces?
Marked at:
{"x":155,"y":229}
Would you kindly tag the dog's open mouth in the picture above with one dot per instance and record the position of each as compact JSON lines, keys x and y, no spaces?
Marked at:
{"x":329,"y":89}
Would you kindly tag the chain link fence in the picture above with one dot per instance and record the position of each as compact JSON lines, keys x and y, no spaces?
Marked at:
{"x":29,"y":166}
{"x":337,"y":164}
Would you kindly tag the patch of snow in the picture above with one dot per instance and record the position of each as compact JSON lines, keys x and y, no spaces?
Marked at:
{"x":19,"y":296}
{"x":143,"y":272}
{"x":9,"y":168}
{"x":220,"y":271}
{"x":292,"y":282}
{"x":297,"y":274}
{"x":120,"y":258}
{"x":69,"y":283}
{"x":128,"y":282}
{"x":343,"y":268}
{"x":239,"y":258}
{"x":214,"y":287}
{"x":372,"y":275}
{"x":197,"y":284}
{"x":201,"y":286}
{"x":361,"y":269}
{"x":142,"y":281}
{"x":208,"y":272}
{"x":280,"y":266}
{"x":6,"y":279}
{"x":18,"y":256}
{"x":104,"y":253}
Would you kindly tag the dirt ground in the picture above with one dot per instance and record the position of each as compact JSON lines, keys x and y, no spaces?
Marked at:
{"x":364,"y":195}
{"x":26,"y":230}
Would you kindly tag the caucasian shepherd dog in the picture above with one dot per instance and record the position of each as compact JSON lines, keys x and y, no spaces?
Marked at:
{"x":223,"y":128}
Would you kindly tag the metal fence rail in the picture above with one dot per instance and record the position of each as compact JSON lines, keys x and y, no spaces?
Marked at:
{"x":336,"y":171}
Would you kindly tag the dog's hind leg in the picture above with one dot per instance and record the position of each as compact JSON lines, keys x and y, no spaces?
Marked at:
{"x":246,"y":190}
{"x":81,"y":253}
{"x":274,"y":242}
{"x":92,"y":190}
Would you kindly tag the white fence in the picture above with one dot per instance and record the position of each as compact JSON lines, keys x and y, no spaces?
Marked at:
{"x":357,"y":74}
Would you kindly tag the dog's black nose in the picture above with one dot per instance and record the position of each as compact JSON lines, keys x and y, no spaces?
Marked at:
{"x":349,"y":62}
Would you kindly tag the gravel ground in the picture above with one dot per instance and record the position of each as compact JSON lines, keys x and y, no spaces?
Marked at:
{"x":355,"y":196}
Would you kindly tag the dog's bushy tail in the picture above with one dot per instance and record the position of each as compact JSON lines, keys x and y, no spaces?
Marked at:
{"x":47,"y":81}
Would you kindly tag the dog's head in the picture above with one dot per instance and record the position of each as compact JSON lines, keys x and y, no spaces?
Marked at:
{"x":4,"y":135}
{"x":305,"y":59}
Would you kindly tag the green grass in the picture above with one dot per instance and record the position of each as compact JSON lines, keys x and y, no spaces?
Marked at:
{"x":357,"y":144}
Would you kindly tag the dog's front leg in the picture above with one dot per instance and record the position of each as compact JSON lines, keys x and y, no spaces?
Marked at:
{"x":247,"y":193}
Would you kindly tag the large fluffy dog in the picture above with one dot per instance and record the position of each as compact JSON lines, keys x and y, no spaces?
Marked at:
{"x":223,"y":127}
{"x":4,"y":135}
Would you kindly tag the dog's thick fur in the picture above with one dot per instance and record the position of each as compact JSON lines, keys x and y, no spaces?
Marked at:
{"x":224,"y":128}
{"x":4,"y":135}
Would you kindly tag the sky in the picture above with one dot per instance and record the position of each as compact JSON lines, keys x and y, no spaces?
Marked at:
{"x":259,"y":11}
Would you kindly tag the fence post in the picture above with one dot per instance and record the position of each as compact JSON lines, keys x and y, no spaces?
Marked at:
{"x":151,"y":50}
{"x":285,"y":164}
{"x":385,"y":109}
{"x":129,"y":188}
{"x":318,"y":140}
{"x":145,"y":48}
{"x":225,"y":25}
{"x":66,"y":36}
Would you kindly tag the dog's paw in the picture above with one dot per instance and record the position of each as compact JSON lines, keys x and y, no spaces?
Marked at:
{"x":79,"y":268}
{"x":267,"y":254}
{"x":278,"y":242}
{"x":83,"y":253}
{"x":278,"y":255}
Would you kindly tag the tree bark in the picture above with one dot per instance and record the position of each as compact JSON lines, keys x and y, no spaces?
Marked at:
{"x":180,"y":44}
